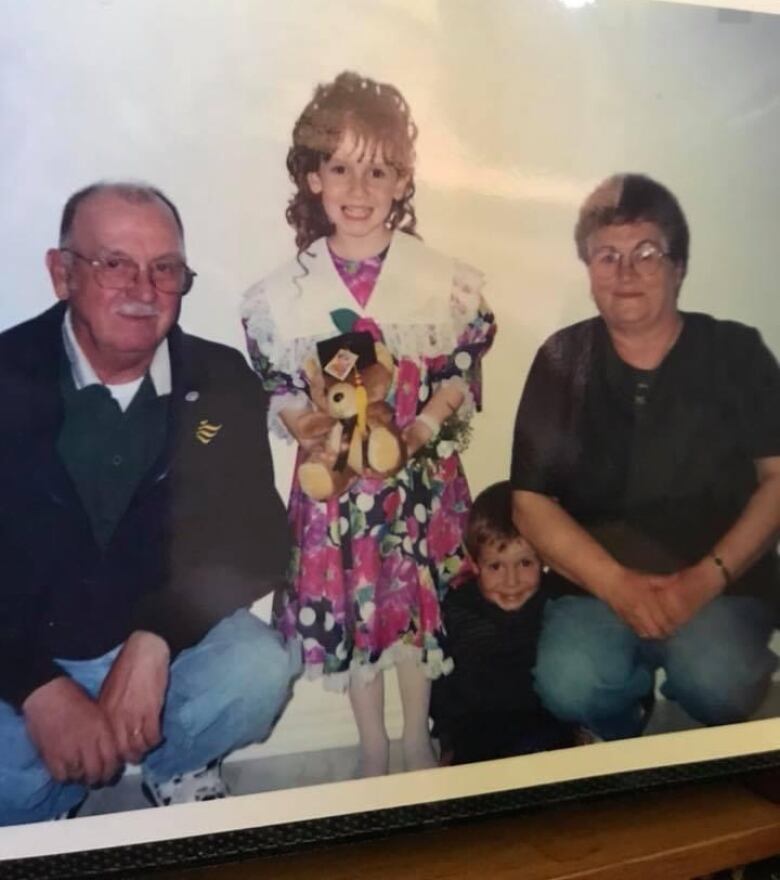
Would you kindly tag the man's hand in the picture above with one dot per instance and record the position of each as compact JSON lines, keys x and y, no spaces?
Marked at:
{"x":634,"y":597}
{"x":685,"y":592}
{"x":71,"y":733}
{"x":133,"y":693}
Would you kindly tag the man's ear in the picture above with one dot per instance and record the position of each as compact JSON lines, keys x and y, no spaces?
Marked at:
{"x":59,"y":272}
{"x":315,"y":182}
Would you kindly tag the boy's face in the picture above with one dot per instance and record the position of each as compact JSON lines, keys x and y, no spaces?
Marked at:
{"x":508,"y":573}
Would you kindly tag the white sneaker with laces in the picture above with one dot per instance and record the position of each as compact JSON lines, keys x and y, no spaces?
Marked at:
{"x":205,"y":784}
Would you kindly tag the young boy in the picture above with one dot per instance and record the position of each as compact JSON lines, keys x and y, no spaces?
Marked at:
{"x":487,"y":708}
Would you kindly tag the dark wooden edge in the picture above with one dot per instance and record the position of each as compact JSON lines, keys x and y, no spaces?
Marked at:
{"x":141,"y":859}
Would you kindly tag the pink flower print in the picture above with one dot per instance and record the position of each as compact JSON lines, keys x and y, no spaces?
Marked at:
{"x":412,"y":528}
{"x":369,"y":485}
{"x":365,"y":561}
{"x":430,"y":614}
{"x":447,"y":469}
{"x":394,"y":623}
{"x":444,"y":533}
{"x":455,"y":495}
{"x":316,"y":530}
{"x":321,"y":574}
{"x":406,"y":394}
{"x":390,"y":504}
{"x":399,"y":579}
{"x":437,"y":364}
{"x":368,"y":325}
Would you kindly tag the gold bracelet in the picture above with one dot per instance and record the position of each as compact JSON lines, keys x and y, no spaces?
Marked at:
{"x":723,"y":567}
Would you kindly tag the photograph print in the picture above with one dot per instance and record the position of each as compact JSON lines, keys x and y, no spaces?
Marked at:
{"x":392,"y":409}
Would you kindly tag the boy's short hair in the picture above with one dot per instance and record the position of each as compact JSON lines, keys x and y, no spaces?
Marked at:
{"x":490,"y":519}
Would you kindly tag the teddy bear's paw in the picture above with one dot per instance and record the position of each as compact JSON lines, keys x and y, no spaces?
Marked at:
{"x":316,"y":480}
{"x":384,"y":451}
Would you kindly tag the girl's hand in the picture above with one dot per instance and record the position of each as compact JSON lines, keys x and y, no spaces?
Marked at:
{"x":415,"y":436}
{"x":309,"y":427}
{"x":320,"y":453}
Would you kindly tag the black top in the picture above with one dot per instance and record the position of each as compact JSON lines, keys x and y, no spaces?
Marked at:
{"x":494,"y":652}
{"x":656,"y":465}
{"x":203,"y":534}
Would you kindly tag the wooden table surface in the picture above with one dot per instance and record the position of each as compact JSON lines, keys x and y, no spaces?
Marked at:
{"x":674,"y":834}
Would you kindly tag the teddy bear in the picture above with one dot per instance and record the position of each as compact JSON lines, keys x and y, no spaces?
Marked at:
{"x":348,"y":382}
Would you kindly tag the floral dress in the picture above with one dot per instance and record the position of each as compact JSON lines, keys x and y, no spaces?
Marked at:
{"x":370,"y":567}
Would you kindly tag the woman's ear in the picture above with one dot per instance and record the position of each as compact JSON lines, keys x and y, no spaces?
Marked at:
{"x":679,"y":275}
{"x":315,"y":182}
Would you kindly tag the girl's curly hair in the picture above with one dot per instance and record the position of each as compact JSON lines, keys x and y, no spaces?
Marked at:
{"x":378,"y":116}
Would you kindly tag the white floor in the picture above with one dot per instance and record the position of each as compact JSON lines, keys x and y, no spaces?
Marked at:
{"x":250,"y":771}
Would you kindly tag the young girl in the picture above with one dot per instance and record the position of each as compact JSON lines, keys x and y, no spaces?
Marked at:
{"x":370,"y":565}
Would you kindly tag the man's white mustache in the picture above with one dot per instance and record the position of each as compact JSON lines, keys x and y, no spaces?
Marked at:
{"x":137,"y":310}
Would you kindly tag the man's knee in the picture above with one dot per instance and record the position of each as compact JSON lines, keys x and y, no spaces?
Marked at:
{"x":241,"y":667}
{"x":262,"y":662}
{"x":27,"y":791}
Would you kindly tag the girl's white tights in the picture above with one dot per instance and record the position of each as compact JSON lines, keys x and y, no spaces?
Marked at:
{"x":368,"y":706}
{"x":415,"y":687}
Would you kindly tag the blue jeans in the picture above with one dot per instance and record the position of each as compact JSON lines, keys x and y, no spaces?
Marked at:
{"x":223,"y":693}
{"x":594,"y":670}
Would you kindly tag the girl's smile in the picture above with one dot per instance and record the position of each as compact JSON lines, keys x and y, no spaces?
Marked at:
{"x":358,"y":188}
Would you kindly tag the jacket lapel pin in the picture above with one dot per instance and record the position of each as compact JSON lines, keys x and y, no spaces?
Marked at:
{"x":206,"y":432}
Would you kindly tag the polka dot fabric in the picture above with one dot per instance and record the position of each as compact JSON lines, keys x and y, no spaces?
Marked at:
{"x":370,"y":567}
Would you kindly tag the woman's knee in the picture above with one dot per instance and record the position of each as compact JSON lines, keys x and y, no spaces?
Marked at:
{"x":587,"y":661}
{"x":719,"y":667}
{"x":720,"y":686}
{"x":578,"y":685}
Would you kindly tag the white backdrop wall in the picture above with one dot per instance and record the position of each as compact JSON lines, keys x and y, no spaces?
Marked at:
{"x":522,"y":106}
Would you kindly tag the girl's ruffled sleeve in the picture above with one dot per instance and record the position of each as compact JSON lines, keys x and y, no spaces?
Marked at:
{"x":474,"y":327}
{"x":285,"y":387}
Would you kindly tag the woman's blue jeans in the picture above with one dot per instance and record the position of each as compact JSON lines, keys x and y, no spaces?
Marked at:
{"x":594,"y":670}
{"x":223,"y":693}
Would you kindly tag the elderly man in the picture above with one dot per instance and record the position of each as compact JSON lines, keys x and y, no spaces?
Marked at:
{"x":138,"y":520}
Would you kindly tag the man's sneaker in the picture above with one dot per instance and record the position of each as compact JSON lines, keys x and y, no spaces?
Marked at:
{"x":205,"y":784}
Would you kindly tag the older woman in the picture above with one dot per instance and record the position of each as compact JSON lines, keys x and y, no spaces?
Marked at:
{"x":646,"y":470}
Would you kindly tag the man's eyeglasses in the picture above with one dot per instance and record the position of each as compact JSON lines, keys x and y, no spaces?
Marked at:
{"x":645,"y":259}
{"x":168,"y":274}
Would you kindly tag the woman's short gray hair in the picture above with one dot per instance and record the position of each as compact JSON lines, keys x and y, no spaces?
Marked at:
{"x":634,"y":198}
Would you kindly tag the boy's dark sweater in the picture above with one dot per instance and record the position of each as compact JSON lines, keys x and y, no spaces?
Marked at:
{"x":489,"y":694}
